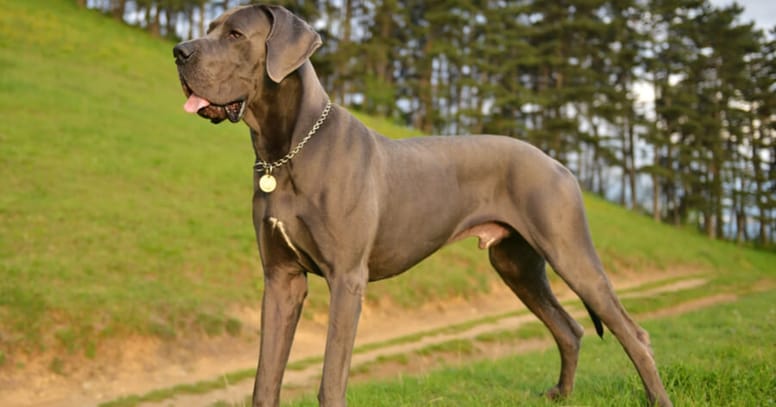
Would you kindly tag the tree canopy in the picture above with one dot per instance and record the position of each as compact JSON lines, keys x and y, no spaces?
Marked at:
{"x":666,"y":106}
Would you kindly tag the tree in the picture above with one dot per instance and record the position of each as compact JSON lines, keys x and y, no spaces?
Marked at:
{"x":561,"y":75}
{"x":759,"y":91}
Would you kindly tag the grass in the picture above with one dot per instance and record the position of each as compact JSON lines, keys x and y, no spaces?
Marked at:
{"x":110,"y":206}
{"x":201,"y":387}
{"x":119,"y":212}
{"x":721,"y":356}
{"x":531,"y":330}
{"x":458,"y":351}
{"x":122,"y":215}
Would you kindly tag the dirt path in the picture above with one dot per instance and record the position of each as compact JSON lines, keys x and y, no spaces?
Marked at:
{"x":144,"y":365}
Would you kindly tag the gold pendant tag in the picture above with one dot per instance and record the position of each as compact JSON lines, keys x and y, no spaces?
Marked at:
{"x":267,"y":183}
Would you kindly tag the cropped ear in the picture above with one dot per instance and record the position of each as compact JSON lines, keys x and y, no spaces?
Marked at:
{"x":290,"y":42}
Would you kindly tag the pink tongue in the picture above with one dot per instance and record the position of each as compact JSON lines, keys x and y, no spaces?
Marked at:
{"x":194,"y":103}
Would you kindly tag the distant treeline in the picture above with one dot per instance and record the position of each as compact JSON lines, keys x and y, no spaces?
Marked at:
{"x":666,"y":106}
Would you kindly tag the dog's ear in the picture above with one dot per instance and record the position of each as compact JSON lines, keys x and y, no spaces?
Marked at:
{"x":290,"y":42}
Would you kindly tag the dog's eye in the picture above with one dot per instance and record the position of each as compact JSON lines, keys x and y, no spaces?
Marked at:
{"x":234,"y":35}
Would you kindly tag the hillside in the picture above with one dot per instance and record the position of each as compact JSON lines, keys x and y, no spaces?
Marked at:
{"x":122,"y":215}
{"x":120,"y":212}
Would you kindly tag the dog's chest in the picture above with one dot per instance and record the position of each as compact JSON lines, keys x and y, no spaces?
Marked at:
{"x":278,"y":229}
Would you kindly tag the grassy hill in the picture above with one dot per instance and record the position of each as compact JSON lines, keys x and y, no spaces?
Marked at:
{"x":719,"y":356}
{"x":119,"y":213}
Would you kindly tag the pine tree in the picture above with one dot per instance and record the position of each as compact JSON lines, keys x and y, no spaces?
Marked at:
{"x":380,"y":53}
{"x":761,"y":134}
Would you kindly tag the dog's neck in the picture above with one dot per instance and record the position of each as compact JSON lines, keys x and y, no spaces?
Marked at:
{"x":284,"y":113}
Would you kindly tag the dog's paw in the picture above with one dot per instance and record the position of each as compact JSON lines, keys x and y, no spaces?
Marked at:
{"x":555,"y":393}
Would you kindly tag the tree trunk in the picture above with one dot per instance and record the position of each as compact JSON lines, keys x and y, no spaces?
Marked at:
{"x":717,"y":160}
{"x":673,"y":196}
{"x":202,"y":18}
{"x":425,"y":91}
{"x":632,"y":165}
{"x":759,"y":179}
{"x":656,"y":215}
{"x":625,"y":171}
{"x":152,"y":16}
{"x":741,"y":234}
{"x":190,"y":17}
{"x":595,"y":170}
{"x":344,"y":51}
{"x":118,"y":7}
{"x":172,"y":16}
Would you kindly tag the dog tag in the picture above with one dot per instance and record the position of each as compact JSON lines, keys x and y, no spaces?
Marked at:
{"x":267,"y":183}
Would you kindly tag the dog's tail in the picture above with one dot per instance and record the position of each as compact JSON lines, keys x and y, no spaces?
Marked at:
{"x":599,"y":328}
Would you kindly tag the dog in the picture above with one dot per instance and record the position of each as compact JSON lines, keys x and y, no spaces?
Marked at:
{"x":335,"y":199}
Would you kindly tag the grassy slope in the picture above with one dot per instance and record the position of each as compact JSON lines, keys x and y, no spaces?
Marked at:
{"x":721,"y":356}
{"x":120,"y":213}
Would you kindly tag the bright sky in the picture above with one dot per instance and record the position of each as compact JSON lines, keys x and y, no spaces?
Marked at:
{"x":762,"y":12}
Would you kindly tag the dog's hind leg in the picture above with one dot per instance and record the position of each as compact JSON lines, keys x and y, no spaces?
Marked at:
{"x":583,"y":273}
{"x":522,"y":269}
{"x":561,"y":234}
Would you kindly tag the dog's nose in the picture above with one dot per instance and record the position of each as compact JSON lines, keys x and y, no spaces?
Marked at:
{"x":183,"y":51}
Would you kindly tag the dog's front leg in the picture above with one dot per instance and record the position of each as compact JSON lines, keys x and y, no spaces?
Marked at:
{"x":347,"y":293}
{"x":284,"y":293}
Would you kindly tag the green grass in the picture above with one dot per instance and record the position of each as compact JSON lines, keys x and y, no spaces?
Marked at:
{"x":120,"y":214}
{"x":628,"y":241}
{"x":201,"y":387}
{"x":720,"y":356}
{"x":530,"y":330}
{"x":460,"y":351}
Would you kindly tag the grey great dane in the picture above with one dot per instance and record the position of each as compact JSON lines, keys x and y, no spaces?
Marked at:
{"x":335,"y":199}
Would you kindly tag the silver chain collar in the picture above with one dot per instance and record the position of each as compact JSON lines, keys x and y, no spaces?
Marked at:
{"x":267,"y":168}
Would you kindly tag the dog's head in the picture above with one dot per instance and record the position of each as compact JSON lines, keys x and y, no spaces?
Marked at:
{"x":227,"y":69}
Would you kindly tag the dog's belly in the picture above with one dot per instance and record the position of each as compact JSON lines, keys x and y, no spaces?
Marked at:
{"x":388,"y":263}
{"x":391,"y":257}
{"x":440,"y":190}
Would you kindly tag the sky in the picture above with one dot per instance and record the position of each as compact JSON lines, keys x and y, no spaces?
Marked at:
{"x":762,"y":12}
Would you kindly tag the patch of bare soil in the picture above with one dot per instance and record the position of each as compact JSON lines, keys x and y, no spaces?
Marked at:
{"x":680,"y":285}
{"x":690,"y":306}
{"x":139,"y":365}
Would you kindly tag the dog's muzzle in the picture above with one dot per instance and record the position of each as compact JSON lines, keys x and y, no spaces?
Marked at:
{"x":233,"y":111}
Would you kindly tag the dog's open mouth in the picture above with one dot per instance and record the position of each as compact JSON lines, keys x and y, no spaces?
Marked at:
{"x":216,"y":113}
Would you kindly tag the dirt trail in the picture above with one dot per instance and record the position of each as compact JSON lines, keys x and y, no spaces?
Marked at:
{"x":145,"y":365}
